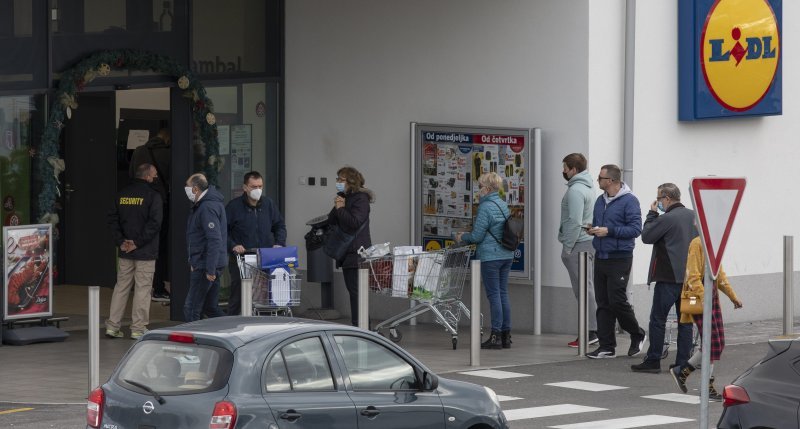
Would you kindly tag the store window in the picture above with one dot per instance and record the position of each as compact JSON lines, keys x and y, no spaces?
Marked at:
{"x":20,"y":37}
{"x":236,"y":37}
{"x":248,"y":136}
{"x":20,"y":119}
{"x":82,"y":27}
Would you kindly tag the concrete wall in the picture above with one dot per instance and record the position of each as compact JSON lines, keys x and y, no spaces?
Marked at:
{"x":358,"y":72}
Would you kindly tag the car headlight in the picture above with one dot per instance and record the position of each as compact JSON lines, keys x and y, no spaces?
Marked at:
{"x":493,"y":396}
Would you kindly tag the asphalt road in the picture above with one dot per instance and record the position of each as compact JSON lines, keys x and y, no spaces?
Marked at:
{"x":533,"y":391}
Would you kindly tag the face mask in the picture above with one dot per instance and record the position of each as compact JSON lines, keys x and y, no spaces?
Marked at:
{"x":340,"y":186}
{"x":661,"y":206}
{"x":189,"y":193}
{"x":565,"y":176}
{"x":255,"y":194}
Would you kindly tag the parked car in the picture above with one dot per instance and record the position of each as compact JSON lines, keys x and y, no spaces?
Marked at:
{"x":277,"y":372}
{"x":767,"y":395}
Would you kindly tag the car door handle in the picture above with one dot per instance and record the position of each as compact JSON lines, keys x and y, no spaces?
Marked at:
{"x":370,"y":411}
{"x":291,"y":415}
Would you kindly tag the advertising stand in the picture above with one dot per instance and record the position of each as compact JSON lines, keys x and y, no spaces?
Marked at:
{"x":447,"y":162}
{"x":28,"y":283}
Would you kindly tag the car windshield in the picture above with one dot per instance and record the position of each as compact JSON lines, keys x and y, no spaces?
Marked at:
{"x":175,"y":369}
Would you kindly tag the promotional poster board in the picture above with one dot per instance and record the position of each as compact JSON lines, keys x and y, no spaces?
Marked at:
{"x":28,"y":274}
{"x":448,"y":160}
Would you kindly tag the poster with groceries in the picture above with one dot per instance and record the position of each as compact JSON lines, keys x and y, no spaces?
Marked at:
{"x":452,"y":160}
{"x":28,"y":278}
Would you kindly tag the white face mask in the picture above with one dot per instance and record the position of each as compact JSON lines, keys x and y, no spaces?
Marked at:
{"x":255,"y":194}
{"x":189,"y":193}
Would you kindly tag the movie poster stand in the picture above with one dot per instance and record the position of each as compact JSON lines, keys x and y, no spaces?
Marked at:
{"x":27,"y":290}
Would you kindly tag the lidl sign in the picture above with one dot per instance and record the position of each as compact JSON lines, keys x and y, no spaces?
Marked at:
{"x":729,"y":58}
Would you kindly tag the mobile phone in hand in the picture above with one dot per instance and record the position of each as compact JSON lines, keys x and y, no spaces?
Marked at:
{"x":341,"y":194}
{"x":586,"y":227}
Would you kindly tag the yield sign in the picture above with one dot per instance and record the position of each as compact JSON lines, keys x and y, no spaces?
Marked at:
{"x":716,"y":201}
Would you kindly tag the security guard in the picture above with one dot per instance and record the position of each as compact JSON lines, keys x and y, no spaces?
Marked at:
{"x":135,"y":223}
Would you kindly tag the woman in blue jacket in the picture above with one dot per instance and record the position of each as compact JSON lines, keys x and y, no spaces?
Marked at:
{"x":495,"y":259}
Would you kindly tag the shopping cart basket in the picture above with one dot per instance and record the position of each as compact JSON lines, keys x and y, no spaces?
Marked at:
{"x":434,"y":280}
{"x":274,"y":292}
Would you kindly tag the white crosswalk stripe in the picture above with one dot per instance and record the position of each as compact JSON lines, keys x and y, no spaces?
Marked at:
{"x":496,"y":374}
{"x":625,"y":423}
{"x":676,"y":397}
{"x":585,"y":385}
{"x":548,"y":411}
{"x":503,"y":398}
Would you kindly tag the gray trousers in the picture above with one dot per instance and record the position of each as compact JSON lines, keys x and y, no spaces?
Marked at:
{"x":572,"y":263}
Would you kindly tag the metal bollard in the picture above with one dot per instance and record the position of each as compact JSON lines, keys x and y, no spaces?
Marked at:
{"x":363,"y":298}
{"x":583,"y":328}
{"x":788,"y":285}
{"x":94,"y":337}
{"x":247,"y":296}
{"x":475,"y":315}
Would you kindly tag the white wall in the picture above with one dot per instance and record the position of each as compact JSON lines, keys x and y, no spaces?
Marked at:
{"x":358,"y":72}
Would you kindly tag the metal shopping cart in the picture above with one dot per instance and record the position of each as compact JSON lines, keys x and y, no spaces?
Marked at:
{"x":274,"y":292}
{"x":672,"y":324}
{"x":434,"y":280}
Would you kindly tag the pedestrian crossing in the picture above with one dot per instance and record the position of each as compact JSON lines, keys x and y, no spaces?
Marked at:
{"x":587,"y":416}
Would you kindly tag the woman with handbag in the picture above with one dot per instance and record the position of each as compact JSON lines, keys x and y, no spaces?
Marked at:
{"x":350,"y":214}
{"x":495,"y":259}
{"x":693,"y":288}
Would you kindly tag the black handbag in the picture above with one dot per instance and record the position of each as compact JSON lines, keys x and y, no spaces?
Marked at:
{"x":337,"y":242}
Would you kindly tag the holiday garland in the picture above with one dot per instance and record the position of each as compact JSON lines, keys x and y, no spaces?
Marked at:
{"x":99,"y":65}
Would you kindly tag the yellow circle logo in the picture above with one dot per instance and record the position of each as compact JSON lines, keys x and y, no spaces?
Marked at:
{"x":739,"y":52}
{"x":433,"y":245}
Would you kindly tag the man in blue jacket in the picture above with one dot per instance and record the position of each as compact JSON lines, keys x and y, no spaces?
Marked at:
{"x":617,"y":221}
{"x":206,"y":235}
{"x":254,"y":222}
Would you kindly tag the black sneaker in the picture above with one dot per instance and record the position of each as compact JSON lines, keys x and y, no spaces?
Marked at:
{"x":648,"y":366}
{"x":713,"y":395}
{"x":637,"y":344}
{"x":601,"y":353}
{"x":593,"y":338}
{"x":680,"y":374}
{"x":160,"y":296}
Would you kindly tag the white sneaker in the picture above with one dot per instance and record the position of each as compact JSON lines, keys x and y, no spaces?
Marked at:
{"x":135,"y":335}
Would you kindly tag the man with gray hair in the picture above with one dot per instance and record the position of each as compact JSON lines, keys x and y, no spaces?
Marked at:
{"x":670,"y":234}
{"x":576,"y":213}
{"x":206,"y":238}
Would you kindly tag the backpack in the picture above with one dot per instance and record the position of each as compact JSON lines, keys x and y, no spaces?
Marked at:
{"x":513,"y":228}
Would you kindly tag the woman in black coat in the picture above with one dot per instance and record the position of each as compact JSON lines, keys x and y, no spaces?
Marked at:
{"x":350,"y":212}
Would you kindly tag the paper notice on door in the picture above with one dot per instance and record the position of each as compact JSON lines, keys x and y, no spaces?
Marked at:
{"x":137,"y":138}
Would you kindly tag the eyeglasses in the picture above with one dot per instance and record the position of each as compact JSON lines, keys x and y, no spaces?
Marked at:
{"x":599,"y":178}
{"x":661,"y":197}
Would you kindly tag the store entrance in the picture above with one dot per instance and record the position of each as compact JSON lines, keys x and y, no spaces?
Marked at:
{"x":98,"y":142}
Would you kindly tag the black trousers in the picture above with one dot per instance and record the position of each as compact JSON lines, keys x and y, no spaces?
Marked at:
{"x":351,"y":282}
{"x":161,"y":273}
{"x":610,"y":292}
{"x":235,"y":298}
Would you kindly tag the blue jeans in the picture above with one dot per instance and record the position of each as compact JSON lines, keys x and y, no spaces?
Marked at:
{"x":665,"y":295}
{"x":495,"y":281}
{"x":203,"y":296}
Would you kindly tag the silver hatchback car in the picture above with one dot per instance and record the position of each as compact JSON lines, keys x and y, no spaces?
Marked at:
{"x":275,"y":372}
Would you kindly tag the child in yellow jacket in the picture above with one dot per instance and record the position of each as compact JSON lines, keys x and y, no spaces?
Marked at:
{"x":695,"y":271}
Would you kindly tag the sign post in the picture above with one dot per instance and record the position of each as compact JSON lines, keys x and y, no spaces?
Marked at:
{"x":716,"y":201}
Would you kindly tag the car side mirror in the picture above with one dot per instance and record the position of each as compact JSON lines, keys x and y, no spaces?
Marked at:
{"x":429,"y":381}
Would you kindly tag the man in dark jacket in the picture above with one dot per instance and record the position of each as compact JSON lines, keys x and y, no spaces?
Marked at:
{"x":254,"y":222}
{"x":670,"y":235}
{"x":135,"y":222}
{"x":157,"y":152}
{"x":206,"y":235}
{"x":617,"y":221}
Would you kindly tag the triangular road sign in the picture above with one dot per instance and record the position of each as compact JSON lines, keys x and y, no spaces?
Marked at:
{"x":716,"y":201}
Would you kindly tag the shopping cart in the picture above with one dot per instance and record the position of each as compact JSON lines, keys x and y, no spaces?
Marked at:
{"x":433,"y":280}
{"x":672,"y":324}
{"x":274,"y":291}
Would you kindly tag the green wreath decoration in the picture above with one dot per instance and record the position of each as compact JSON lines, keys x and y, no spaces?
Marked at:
{"x":99,"y":65}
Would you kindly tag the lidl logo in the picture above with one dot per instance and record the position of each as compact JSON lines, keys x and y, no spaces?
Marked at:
{"x":729,"y":61}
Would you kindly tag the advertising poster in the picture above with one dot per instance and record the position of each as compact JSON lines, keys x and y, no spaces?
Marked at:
{"x":451,"y":159}
{"x":241,"y":150}
{"x":28,"y":278}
